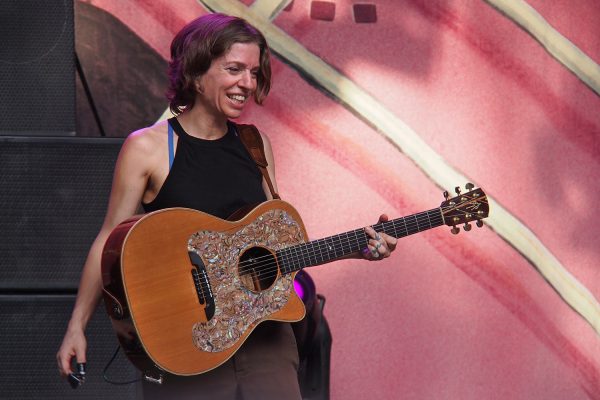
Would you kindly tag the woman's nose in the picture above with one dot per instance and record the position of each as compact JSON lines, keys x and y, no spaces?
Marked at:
{"x":248,"y":80}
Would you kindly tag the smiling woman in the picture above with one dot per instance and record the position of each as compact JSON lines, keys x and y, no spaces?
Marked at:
{"x":197,"y":160}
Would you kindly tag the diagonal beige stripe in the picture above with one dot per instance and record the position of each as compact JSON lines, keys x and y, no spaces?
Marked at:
{"x":556,"y":44}
{"x":268,"y":9}
{"x":406,"y":140}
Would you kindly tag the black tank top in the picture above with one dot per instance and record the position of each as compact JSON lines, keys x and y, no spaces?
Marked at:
{"x":214,"y":176}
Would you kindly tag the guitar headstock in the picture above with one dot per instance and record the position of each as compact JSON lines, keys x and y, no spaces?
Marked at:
{"x":464,"y":208}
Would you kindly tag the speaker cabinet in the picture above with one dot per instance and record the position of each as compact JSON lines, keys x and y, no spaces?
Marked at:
{"x":37,"y":67}
{"x":52,"y":203}
{"x":32,"y":329}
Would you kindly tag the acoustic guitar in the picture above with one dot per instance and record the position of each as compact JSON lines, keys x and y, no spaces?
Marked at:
{"x":184,"y":289}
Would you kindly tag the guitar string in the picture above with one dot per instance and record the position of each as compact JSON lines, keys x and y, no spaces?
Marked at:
{"x":316,"y":248}
{"x":268,"y":267}
{"x":392,"y":222}
{"x":324,"y":245}
{"x":269,"y":264}
{"x":270,"y":270}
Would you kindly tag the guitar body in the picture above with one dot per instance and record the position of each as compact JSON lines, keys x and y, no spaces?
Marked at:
{"x":184,"y":289}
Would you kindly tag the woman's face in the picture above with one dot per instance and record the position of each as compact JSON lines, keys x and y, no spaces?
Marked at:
{"x":230,"y":81}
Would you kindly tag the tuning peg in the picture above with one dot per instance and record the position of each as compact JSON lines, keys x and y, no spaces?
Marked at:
{"x":446,"y":195}
{"x":469,"y":186}
{"x":454,"y":230}
{"x":479,"y":223}
{"x":467,"y":226}
{"x":457,"y":190}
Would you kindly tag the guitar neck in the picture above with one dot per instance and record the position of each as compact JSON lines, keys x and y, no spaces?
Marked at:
{"x":331,"y":248}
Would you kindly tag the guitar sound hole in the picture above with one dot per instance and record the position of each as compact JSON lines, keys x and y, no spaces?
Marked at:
{"x":258,"y":269}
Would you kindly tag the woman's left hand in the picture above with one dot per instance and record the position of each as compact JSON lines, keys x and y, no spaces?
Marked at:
{"x":380,"y":244}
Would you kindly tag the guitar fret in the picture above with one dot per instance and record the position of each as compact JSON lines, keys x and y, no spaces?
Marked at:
{"x":295,"y":259}
{"x":283,"y":265}
{"x":290,"y":260}
{"x":314,"y":251}
{"x":331,"y":247}
{"x":395,"y":234}
{"x":325,"y":249}
{"x":409,"y":229}
{"x":361,"y":241}
{"x":339,"y":244}
{"x":282,"y":262}
{"x":426,"y":215}
{"x":290,"y":252}
{"x":417,"y":221}
{"x":305,"y":255}
{"x":321,"y":248}
{"x":320,"y":254}
{"x":421,"y":226}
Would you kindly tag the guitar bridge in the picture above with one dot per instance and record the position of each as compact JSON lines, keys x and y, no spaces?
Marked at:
{"x":202,"y":284}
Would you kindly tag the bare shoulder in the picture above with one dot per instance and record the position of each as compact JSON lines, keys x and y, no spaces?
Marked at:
{"x":147,"y":141}
{"x":143,"y":149}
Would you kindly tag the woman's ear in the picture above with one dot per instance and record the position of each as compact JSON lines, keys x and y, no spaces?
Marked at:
{"x":198,"y":85}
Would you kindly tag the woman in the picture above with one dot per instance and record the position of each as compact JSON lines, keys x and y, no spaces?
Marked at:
{"x":217,"y":64}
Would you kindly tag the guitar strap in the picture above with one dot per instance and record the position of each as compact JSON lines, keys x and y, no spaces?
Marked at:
{"x":250,"y":137}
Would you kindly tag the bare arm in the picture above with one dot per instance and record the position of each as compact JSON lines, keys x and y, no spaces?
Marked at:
{"x":129,"y":183}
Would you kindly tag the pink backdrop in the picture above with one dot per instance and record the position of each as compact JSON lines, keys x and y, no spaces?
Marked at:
{"x":447,"y":317}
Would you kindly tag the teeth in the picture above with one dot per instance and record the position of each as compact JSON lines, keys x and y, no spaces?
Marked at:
{"x":237,"y":97}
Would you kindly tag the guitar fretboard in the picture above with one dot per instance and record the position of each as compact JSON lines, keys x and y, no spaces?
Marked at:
{"x":328,"y":249}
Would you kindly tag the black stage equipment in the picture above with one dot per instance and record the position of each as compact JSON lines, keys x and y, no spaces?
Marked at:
{"x":32,"y":329}
{"x":37,"y":68}
{"x":52,"y":204}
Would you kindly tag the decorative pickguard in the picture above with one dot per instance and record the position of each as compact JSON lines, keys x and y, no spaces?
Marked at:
{"x":237,"y":307}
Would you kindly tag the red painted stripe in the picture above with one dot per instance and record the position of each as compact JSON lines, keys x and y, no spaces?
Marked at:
{"x":559,"y":109}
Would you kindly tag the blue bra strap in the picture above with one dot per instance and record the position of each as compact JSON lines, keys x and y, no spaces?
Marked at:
{"x":171,"y":152}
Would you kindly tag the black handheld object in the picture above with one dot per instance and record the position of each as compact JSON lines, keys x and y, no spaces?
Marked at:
{"x":76,"y":379}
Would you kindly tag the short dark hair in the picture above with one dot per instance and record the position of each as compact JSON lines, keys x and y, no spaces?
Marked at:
{"x":201,"y":41}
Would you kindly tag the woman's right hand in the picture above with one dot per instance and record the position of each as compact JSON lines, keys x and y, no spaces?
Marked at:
{"x":74,"y":344}
{"x":139,"y":157}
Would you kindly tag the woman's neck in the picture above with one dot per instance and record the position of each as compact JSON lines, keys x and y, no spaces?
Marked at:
{"x":198,"y":124}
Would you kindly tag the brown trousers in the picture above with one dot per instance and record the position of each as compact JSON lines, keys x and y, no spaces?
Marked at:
{"x":264,"y":368}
